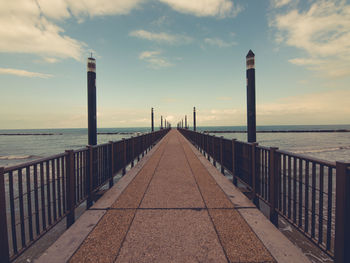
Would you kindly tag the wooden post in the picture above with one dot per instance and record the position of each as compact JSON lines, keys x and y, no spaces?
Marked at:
{"x":111,"y":164}
{"x":4,"y":245}
{"x":143,"y":145}
{"x":133,"y":150}
{"x":234,"y":178}
{"x":342,"y":213}
{"x":70,"y":184}
{"x":273,"y":173}
{"x":213,"y":151}
{"x":221,"y":155}
{"x":124,"y":156}
{"x":255,"y":185}
{"x":89,"y":182}
{"x":207,"y":136}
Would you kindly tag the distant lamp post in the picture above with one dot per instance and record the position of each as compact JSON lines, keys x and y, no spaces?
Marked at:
{"x":152,"y":119}
{"x":251,"y":112}
{"x":194,"y":118}
{"x":91,"y":82}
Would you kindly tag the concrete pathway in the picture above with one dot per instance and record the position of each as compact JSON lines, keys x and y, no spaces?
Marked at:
{"x":172,"y":210}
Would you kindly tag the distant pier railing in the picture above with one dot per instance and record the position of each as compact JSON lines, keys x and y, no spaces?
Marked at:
{"x":37,"y":195}
{"x":313,"y":195}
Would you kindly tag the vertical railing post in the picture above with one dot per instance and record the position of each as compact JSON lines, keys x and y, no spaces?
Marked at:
{"x":138,"y":148}
{"x":207,"y":150}
{"x":4,"y":244}
{"x":143,"y":145}
{"x":255,"y":183}
{"x":213,"y":150}
{"x":273,"y":173}
{"x":111,"y":164}
{"x":132,"y":150}
{"x":70,"y":187}
{"x":221,"y":155}
{"x":342,"y":213}
{"x":234,"y":177}
{"x":124,"y":156}
{"x":89,"y":182}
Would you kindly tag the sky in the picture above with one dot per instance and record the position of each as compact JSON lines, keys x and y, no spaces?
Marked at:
{"x":173,"y":55}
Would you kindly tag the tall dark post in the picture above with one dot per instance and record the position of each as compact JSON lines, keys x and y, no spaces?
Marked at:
{"x":165,"y":123}
{"x":152,"y":117}
{"x":91,"y":79}
{"x":161,"y":122}
{"x":182,"y":123}
{"x":251,"y":114}
{"x":194,"y":118}
{"x":185,"y":121}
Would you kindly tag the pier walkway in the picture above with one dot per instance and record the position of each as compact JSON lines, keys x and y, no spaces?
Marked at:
{"x":173,"y":206}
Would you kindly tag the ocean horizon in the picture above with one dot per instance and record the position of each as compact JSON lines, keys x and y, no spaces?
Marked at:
{"x":329,"y":146}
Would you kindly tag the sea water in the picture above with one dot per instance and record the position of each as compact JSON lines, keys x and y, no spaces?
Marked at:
{"x":331,"y":146}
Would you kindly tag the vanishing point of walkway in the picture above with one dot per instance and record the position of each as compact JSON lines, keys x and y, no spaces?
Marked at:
{"x":171,"y":210}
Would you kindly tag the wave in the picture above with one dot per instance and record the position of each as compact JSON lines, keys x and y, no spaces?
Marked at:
{"x":16,"y":157}
{"x":333,"y":149}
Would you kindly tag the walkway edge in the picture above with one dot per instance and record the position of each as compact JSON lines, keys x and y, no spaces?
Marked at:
{"x":280,"y":247}
{"x":66,"y":245}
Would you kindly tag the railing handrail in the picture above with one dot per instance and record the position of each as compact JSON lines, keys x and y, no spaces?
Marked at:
{"x":40,"y":193}
{"x":308,"y":192}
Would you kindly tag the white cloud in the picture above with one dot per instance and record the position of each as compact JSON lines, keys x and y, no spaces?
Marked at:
{"x":224,"y":98}
{"x":219,"y":42}
{"x":322,"y":32}
{"x":161,"y":37}
{"x":154,"y":59}
{"x":24,"y":73}
{"x":329,"y":107}
{"x":29,"y":26}
{"x":280,"y":3}
{"x":102,"y":7}
{"x":218,"y":8}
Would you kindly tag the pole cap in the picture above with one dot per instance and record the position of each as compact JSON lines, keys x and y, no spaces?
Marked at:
{"x":91,"y":64}
{"x":250,"y":54}
{"x":250,"y":59}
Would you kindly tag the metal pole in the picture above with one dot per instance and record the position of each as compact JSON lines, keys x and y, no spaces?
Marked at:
{"x":152,"y":117}
{"x":161,"y":122}
{"x":251,"y":113}
{"x":91,"y":80}
{"x":185,"y":121}
{"x":194,"y":118}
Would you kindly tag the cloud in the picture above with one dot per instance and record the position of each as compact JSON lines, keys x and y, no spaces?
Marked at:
{"x":322,"y":32}
{"x":28,"y":26}
{"x":219,"y":42}
{"x":154,"y":59}
{"x":24,"y":73}
{"x":161,"y":37}
{"x":217,"y":8}
{"x":329,"y":107}
{"x":279,"y":3}
{"x":224,"y":98}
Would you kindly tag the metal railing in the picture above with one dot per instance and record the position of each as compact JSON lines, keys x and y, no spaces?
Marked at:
{"x":37,"y":195}
{"x":313,"y":195}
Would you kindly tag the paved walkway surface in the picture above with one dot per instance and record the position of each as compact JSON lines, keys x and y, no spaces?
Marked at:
{"x":173,"y":210}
